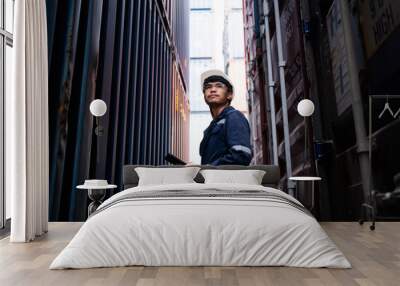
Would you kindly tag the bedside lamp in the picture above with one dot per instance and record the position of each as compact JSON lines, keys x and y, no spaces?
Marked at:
{"x":98,"y":108}
{"x":96,"y":188}
{"x":305,"y":108}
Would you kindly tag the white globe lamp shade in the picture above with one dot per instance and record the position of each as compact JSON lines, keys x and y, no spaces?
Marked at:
{"x":98,"y":107}
{"x":305,"y":107}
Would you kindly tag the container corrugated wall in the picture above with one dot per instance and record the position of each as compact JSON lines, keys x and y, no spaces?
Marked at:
{"x":133,"y":55}
{"x":255,"y":82}
{"x":295,"y":77}
{"x":175,"y":20}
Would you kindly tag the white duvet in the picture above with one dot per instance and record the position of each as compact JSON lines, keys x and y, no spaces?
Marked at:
{"x":200,"y":231}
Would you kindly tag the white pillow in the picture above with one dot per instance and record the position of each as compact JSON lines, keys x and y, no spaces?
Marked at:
{"x":248,"y":177}
{"x":164,"y":176}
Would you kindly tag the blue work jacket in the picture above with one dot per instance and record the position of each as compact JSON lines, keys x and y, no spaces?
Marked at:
{"x":226,"y":140}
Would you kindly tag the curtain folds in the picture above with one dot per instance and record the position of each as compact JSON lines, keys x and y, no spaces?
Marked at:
{"x":27,"y":146}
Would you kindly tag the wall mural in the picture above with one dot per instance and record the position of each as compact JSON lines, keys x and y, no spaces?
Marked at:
{"x":125,"y":53}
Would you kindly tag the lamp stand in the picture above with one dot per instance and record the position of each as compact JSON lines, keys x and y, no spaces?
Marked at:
{"x":305,"y":143}
{"x":99,"y":129}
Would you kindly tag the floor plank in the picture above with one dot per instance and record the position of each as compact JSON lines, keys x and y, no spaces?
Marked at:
{"x":375,"y":257}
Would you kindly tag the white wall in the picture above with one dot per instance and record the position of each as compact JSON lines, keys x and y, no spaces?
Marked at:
{"x":199,"y":121}
{"x":197,"y":67}
{"x":201,"y":25}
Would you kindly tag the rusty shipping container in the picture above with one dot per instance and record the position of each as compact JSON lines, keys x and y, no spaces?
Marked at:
{"x":296,"y":82}
{"x":255,"y":82}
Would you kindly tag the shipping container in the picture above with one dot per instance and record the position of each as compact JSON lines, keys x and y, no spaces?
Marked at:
{"x":134,"y":56}
{"x":292,"y":41}
{"x":256,"y":82}
{"x":317,"y":67}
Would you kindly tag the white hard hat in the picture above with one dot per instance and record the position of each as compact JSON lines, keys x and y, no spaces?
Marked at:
{"x":215,"y":72}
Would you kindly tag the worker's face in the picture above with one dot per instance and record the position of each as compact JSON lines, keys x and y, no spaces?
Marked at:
{"x":216,"y":93}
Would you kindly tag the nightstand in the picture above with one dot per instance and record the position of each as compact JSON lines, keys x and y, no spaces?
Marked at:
{"x":96,"y":193}
{"x":304,"y":179}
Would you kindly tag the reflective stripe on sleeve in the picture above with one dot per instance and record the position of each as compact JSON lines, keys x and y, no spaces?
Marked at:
{"x":241,"y":148}
{"x":222,"y":121}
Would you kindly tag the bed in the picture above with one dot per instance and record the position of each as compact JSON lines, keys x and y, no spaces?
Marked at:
{"x":198,"y":224}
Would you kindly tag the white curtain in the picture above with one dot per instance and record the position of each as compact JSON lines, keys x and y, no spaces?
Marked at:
{"x":27,"y":149}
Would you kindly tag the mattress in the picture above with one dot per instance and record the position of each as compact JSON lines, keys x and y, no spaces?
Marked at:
{"x":201,"y":225}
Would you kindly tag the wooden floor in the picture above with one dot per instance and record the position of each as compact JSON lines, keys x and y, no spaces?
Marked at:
{"x":375,"y":257}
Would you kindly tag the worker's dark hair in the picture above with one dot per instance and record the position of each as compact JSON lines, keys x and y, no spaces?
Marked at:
{"x":215,"y":78}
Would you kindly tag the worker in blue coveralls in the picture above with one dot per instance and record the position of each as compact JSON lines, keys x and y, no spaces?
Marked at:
{"x":226,"y":141}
